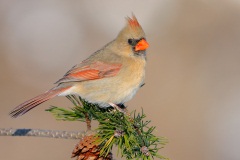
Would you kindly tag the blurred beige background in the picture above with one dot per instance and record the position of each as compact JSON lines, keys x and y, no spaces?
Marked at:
{"x":192,"y":91}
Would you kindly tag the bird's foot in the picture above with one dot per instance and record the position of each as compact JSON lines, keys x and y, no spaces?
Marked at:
{"x":120,"y":108}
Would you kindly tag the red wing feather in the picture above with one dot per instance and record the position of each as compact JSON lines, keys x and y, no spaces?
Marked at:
{"x":93,"y":71}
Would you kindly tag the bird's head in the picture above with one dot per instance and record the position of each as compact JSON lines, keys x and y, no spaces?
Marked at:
{"x":131,"y":40}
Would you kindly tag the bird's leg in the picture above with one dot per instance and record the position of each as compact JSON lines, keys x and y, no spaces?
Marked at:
{"x":120,"y":109}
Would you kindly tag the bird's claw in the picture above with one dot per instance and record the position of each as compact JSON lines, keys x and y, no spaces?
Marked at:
{"x":116,"y":107}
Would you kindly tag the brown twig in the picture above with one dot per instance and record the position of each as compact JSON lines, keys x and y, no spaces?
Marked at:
{"x":88,"y":122}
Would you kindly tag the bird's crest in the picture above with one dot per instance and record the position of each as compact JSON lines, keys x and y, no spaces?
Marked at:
{"x":133,"y":22}
{"x":132,"y":29}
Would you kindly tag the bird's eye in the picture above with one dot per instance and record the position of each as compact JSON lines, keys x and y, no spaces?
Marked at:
{"x":130,"y":41}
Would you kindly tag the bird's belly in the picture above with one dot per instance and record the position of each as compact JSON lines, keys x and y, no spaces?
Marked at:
{"x":117,"y":89}
{"x":107,"y":90}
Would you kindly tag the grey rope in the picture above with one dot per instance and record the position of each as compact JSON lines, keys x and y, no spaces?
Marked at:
{"x":42,"y":133}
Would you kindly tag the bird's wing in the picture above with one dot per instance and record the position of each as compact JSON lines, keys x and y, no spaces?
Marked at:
{"x":96,"y":70}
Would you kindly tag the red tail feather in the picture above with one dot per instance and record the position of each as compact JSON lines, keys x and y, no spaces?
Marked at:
{"x":30,"y":104}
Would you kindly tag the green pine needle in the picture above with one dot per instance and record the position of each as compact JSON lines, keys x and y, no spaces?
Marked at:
{"x":132,"y":135}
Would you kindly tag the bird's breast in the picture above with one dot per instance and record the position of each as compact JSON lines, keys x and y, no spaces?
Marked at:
{"x":131,"y":77}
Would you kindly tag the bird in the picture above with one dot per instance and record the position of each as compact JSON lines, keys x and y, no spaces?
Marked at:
{"x":109,"y":77}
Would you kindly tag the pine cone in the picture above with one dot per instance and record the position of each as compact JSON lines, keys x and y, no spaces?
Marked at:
{"x":86,"y":149}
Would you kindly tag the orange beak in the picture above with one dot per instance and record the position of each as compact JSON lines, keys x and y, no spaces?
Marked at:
{"x":141,"y":45}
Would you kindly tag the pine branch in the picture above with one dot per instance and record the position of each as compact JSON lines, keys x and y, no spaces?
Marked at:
{"x":42,"y":133}
{"x":130,"y":132}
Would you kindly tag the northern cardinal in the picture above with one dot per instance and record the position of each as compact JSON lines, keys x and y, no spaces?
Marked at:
{"x":109,"y":77}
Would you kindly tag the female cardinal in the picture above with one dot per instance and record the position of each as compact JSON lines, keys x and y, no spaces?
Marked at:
{"x":109,"y":77}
